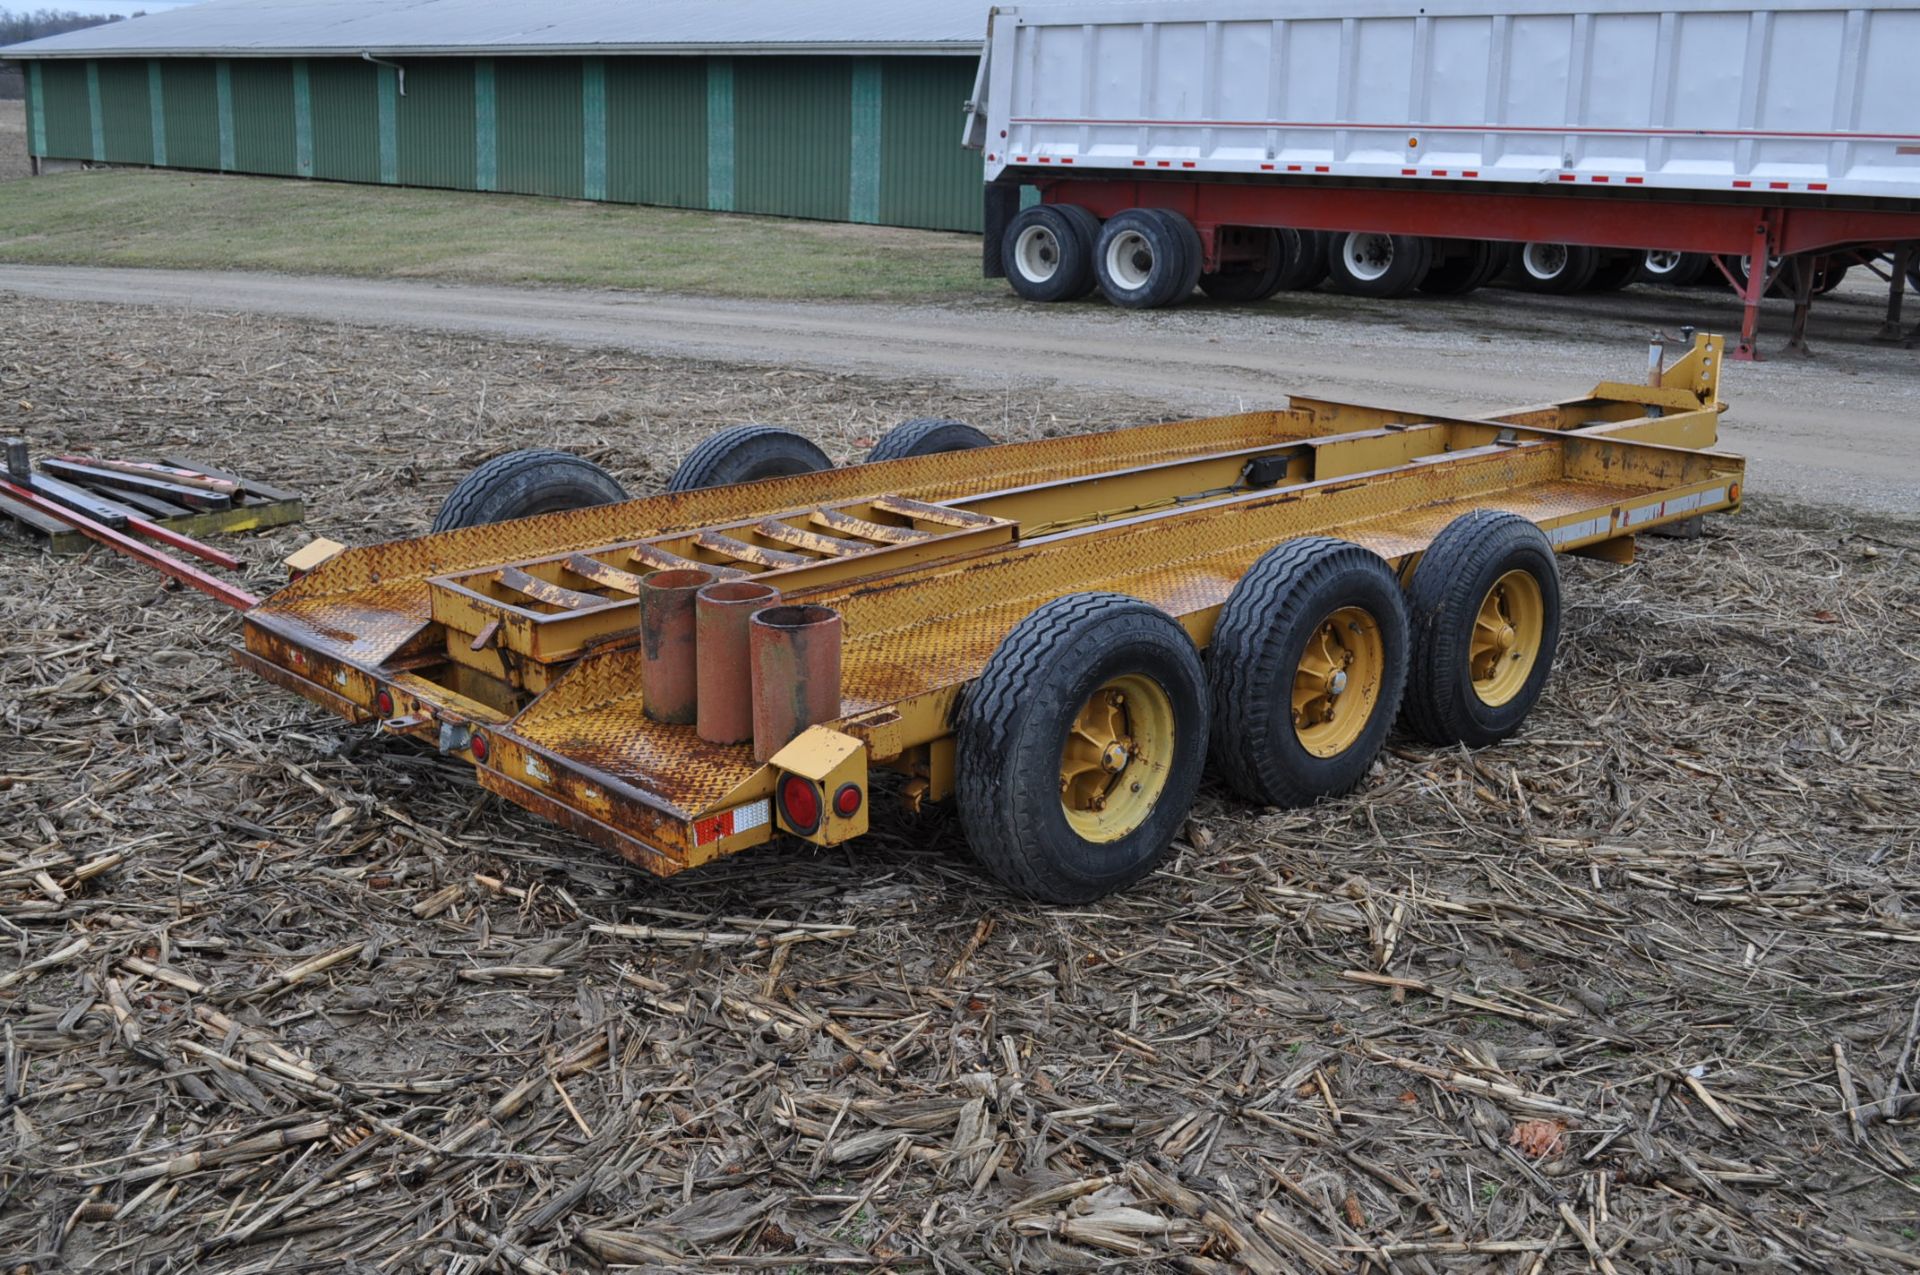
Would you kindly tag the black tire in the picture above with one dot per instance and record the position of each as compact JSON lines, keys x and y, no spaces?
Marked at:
{"x":1306,"y":261}
{"x":1468,"y":267}
{"x":1553,"y":268}
{"x":1673,"y":269}
{"x":1830,"y":276}
{"x":1471,"y":556}
{"x":1284,"y":602}
{"x":1616,"y":271}
{"x":745,"y":454}
{"x":1254,"y":280}
{"x":1013,"y":730}
{"x":1141,"y":260}
{"x":927,"y":436}
{"x":524,"y":483}
{"x":1913,"y":269}
{"x":1195,"y":252}
{"x":1048,"y":252}
{"x":1363,"y":264}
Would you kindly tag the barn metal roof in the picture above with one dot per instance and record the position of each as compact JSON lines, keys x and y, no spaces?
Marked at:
{"x":302,"y":28}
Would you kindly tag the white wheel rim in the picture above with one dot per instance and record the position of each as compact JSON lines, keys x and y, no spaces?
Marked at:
{"x":1544,"y":261}
{"x":1666,"y":262}
{"x":1130,"y":260}
{"x":1367,"y":257}
{"x":1036,"y":254}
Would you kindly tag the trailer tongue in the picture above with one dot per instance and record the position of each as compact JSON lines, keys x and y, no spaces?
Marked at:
{"x":1017,"y":625}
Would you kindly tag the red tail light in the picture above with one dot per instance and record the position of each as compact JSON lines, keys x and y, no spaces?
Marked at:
{"x":846,"y":801}
{"x":799,"y":804}
{"x":478,"y":746}
{"x":384,"y":702}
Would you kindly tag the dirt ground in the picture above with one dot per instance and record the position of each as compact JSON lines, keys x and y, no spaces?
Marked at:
{"x":13,"y":140}
{"x":1837,"y":428}
{"x":1635,"y":992}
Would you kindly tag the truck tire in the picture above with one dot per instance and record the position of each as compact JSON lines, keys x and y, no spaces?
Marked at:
{"x":1913,"y":268}
{"x":1616,"y":271}
{"x":1554,"y":268}
{"x":1254,"y":280}
{"x":524,"y":483}
{"x":1673,"y":269}
{"x":1307,"y":666}
{"x":1367,"y":264}
{"x":1468,"y":266}
{"x":1248,"y":281}
{"x":1141,"y":260}
{"x":1080,"y":747}
{"x":1195,"y":251}
{"x":1485,"y":606}
{"x":1306,"y":260}
{"x":1047,"y":253}
{"x":745,"y":454}
{"x":926,"y":436}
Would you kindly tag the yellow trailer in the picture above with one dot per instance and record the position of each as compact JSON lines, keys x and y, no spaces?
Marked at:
{"x":1061,"y":635}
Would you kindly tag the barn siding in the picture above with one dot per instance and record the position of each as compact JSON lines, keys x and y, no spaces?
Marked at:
{"x":870,"y":139}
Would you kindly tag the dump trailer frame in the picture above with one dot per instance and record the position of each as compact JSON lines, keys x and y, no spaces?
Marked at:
{"x":517,"y":647}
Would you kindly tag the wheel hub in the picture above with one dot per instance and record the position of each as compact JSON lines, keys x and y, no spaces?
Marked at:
{"x":1506,"y":640}
{"x":1113,"y":764}
{"x":1345,"y":654}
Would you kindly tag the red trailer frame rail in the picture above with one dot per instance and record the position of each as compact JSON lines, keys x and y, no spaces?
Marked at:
{"x":1617,"y":219}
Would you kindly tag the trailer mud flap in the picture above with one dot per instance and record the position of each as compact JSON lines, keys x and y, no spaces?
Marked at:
{"x":1002,"y":202}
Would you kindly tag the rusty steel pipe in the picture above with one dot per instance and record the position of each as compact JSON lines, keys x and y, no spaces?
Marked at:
{"x":796,"y":673}
{"x":668,"y":682}
{"x":722,"y":670}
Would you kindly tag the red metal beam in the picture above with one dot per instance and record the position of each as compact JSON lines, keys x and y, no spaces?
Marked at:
{"x":185,"y":572}
{"x":206,"y":553}
{"x":1600,"y":222}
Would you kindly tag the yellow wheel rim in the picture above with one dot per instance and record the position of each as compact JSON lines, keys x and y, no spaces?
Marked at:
{"x":1506,"y":638}
{"x":1336,"y":688}
{"x":1114,"y":765}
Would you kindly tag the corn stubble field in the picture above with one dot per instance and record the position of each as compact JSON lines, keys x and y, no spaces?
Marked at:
{"x":1635,"y":992}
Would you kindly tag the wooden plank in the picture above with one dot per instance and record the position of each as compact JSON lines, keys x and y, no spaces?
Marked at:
{"x":246,"y":484}
{"x":541,"y":591}
{"x":151,"y":505}
{"x":98,"y":508}
{"x":44,"y":523}
{"x":146,"y":469}
{"x":191,"y":497}
{"x":278,"y":513}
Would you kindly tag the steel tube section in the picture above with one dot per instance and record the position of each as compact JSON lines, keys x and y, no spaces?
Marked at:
{"x":186,"y":573}
{"x":668,"y":680}
{"x":723,"y":677}
{"x":795,"y":651}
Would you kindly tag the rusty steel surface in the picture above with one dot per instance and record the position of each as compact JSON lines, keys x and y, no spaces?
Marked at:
{"x":723,"y":665}
{"x":667,"y":645}
{"x":795,"y":656}
{"x":368,"y":602}
{"x":1172,"y":514}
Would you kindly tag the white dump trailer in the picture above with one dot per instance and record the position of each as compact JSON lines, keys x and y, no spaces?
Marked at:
{"x":1759,"y":131}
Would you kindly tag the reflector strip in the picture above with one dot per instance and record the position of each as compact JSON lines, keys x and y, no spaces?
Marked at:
{"x":729,"y":822}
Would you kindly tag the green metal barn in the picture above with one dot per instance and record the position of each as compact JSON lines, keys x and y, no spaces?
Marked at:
{"x":836,"y":111}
